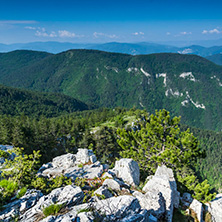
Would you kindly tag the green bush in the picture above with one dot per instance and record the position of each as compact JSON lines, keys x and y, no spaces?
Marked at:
{"x":21,"y":192}
{"x":4,"y":154}
{"x":52,"y":209}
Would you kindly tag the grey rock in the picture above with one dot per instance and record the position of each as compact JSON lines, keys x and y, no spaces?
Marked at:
{"x":163,"y":181}
{"x":115,"y":208}
{"x":142,"y":216}
{"x":186,"y":199}
{"x":85,"y":217}
{"x":68,"y":195}
{"x":21,"y":205}
{"x":153,"y":202}
{"x":128,"y":170}
{"x":107,"y":175}
{"x":84,"y":156}
{"x":215,"y":208}
{"x":114,"y":185}
{"x":64,"y":161}
{"x":197,"y":207}
{"x":103,"y":190}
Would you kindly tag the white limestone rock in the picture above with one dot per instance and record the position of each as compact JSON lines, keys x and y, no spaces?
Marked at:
{"x":103,"y":190}
{"x":84,"y":156}
{"x":112,"y":184}
{"x":142,"y":216}
{"x":215,"y":208}
{"x":197,"y":207}
{"x":68,"y":195}
{"x":64,"y":161}
{"x":128,"y":170}
{"x":153,"y":202}
{"x":163,"y":181}
{"x":21,"y":205}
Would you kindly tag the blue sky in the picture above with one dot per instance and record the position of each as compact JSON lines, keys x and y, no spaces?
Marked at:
{"x":88,"y":21}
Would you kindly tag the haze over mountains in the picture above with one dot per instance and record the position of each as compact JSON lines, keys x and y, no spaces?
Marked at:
{"x":186,"y":85}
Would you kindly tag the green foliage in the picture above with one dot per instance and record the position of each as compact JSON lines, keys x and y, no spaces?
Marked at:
{"x":4,"y":154}
{"x":21,"y":192}
{"x":157,"y":139}
{"x":52,"y":209}
{"x":23,"y":167}
{"x":199,"y":190}
{"x":47,"y":185}
{"x":17,"y":101}
{"x":104,"y":79}
{"x":8,"y":189}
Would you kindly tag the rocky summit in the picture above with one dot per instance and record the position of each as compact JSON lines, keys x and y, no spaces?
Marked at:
{"x":116,"y":195}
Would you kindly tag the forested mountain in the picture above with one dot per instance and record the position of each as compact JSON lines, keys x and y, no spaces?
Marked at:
{"x":217,"y":58}
{"x":186,"y":85}
{"x":16,"y":102}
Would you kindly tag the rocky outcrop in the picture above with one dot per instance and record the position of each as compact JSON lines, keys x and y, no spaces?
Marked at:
{"x":115,"y":197}
{"x":83,"y":164}
{"x":153,"y":202}
{"x":215,"y":208}
{"x":68,"y":195}
{"x":128,"y":170}
{"x":197,"y":207}
{"x":21,"y":205}
{"x":163,"y":181}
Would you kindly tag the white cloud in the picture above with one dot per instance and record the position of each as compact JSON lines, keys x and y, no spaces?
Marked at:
{"x":138,"y":33}
{"x":186,"y":33}
{"x":204,"y":32}
{"x":100,"y":34}
{"x":43,"y":33}
{"x":212,"y":31}
{"x":66,"y":34}
{"x":168,"y":33}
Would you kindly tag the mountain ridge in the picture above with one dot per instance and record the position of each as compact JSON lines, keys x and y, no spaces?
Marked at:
{"x":186,"y":85}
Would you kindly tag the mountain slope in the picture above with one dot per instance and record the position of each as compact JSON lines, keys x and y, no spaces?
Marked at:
{"x":217,"y":59}
{"x":16,"y":101}
{"x":186,"y":85}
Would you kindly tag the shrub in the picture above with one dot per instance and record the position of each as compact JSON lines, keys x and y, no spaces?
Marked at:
{"x":52,"y":209}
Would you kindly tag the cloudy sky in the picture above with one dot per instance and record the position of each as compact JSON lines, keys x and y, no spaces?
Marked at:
{"x":88,"y":21}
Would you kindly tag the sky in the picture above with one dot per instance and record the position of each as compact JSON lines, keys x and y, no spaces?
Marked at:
{"x":97,"y":21}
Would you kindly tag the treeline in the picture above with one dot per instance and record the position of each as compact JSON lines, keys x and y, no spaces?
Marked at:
{"x":17,"y":101}
{"x":97,"y":129}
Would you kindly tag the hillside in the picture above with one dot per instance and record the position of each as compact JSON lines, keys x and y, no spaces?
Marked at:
{"x":217,"y":58}
{"x":186,"y":85}
{"x":16,"y":102}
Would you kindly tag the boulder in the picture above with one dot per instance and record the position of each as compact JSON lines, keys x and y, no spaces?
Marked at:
{"x":128,"y":170}
{"x":71,"y":166}
{"x":114,"y":185}
{"x":65,"y":161}
{"x":68,"y":195}
{"x":142,"y":216}
{"x":163,"y":181}
{"x":186,"y":199}
{"x":103,"y":190}
{"x":215,"y":208}
{"x":84,"y":156}
{"x":153,"y":202}
{"x":197,"y":207}
{"x":21,"y":205}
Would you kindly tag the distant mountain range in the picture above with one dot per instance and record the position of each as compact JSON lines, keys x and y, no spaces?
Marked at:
{"x":186,"y":85}
{"x":128,"y":48}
